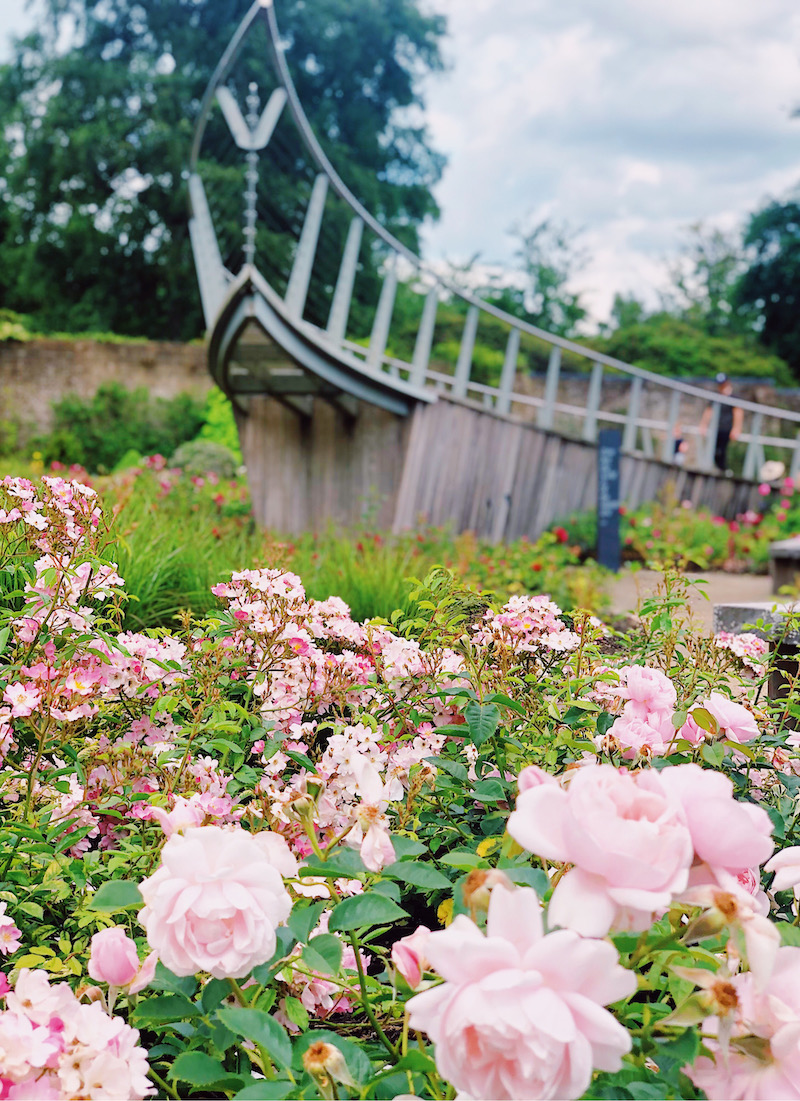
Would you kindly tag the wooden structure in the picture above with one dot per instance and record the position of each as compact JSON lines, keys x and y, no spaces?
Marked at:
{"x":329,"y":424}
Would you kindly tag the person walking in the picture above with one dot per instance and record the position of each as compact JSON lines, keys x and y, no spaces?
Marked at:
{"x":729,"y":425}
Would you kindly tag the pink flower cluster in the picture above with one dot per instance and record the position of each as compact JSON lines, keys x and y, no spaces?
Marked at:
{"x":637,"y":840}
{"x":527,"y":625}
{"x":751,"y":650}
{"x":53,"y":1046}
{"x":520,"y":1013}
{"x":65,"y":513}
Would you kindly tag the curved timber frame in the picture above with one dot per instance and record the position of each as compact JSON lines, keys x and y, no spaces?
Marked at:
{"x":309,"y":400}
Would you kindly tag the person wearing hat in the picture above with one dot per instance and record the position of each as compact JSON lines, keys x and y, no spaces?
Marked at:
{"x":729,"y":425}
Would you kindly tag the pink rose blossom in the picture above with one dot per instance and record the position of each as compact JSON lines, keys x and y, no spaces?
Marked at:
{"x":408,"y":956}
{"x":653,"y":734}
{"x":9,"y":933}
{"x":646,"y":690}
{"x":628,"y":841}
{"x":532,"y":777}
{"x":735,"y":722}
{"x":215,"y":902}
{"x":727,"y":835}
{"x":521,"y":1014}
{"x":114,"y":959}
{"x":786,"y":865}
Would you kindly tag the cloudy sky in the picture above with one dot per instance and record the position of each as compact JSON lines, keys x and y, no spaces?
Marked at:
{"x":629,"y":119}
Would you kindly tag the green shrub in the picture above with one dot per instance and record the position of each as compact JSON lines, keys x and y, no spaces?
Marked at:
{"x":98,"y":431}
{"x":220,"y":425}
{"x":201,"y":456}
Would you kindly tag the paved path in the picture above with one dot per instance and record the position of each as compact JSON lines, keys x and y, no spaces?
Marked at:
{"x":631,"y":587}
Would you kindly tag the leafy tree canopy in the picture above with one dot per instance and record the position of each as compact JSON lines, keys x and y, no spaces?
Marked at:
{"x":96,"y":139}
{"x":770,"y":286}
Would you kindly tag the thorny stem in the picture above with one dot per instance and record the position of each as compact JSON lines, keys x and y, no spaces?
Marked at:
{"x":362,"y":982}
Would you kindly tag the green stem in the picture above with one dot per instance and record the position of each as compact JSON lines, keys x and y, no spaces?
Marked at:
{"x":159,"y":1081}
{"x":362,"y":982}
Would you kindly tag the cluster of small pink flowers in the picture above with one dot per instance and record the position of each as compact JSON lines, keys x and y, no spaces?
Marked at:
{"x":64,"y":513}
{"x":527,"y":624}
{"x":751,"y":650}
{"x":53,"y":1046}
{"x":357,"y":777}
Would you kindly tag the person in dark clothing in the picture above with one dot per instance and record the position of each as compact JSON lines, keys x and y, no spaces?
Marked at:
{"x":729,"y":425}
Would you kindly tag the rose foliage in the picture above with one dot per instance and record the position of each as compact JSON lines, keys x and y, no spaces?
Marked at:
{"x":278,"y":853}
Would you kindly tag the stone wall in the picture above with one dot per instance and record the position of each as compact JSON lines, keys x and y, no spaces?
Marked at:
{"x":36,"y":373}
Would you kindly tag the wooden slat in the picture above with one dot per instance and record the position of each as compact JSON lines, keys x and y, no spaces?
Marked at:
{"x":464,"y":364}
{"x":343,"y":293}
{"x":300,"y":277}
{"x":424,"y":341}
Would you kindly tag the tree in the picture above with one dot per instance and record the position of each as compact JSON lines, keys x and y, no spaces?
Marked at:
{"x":96,"y":140}
{"x":549,"y":258}
{"x":704,"y":279}
{"x":770,"y":286}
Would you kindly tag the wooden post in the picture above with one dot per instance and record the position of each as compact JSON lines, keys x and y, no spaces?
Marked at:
{"x":668,"y":445}
{"x":632,"y":423}
{"x":342,"y":295}
{"x":546,"y":411}
{"x":464,"y":365}
{"x":707,"y":452}
{"x":383,"y":319}
{"x":750,"y":468}
{"x":422,"y":347}
{"x":593,"y":403}
{"x":306,"y":247}
{"x":509,"y":373}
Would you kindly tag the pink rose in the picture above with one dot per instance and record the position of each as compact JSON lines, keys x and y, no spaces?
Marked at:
{"x":653,"y":734}
{"x":114,"y":958}
{"x":521,"y":1014}
{"x":726,"y":834}
{"x":767,"y":1064}
{"x":408,"y":956}
{"x":646,"y":690}
{"x":735,"y":722}
{"x":628,"y":842}
{"x":215,"y":902}
{"x":533,"y":777}
{"x":786,"y":865}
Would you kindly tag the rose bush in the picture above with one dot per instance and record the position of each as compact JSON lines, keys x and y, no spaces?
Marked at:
{"x":277,"y":852}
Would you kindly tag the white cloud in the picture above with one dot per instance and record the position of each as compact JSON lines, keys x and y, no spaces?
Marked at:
{"x":629,"y":119}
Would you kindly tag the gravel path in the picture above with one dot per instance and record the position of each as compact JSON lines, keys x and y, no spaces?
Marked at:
{"x":631,"y":587}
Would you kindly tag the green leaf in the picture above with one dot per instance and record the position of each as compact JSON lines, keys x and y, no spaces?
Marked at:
{"x":462,"y":859}
{"x":302,"y":921}
{"x":482,"y":721}
{"x":489,"y":791}
{"x":214,"y":993}
{"x":714,"y":754}
{"x":704,"y":719}
{"x":362,"y":910}
{"x":296,"y":1012}
{"x":453,"y":768}
{"x":417,"y":874}
{"x":166,"y":1007}
{"x":405,"y":847}
{"x":790,"y":934}
{"x":324,"y":953}
{"x":262,"y":1029}
{"x":264,"y":1090}
{"x":116,"y":894}
{"x":605,"y":722}
{"x":199,"y":1069}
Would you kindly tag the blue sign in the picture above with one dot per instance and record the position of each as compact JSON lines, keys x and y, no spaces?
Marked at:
{"x":609,"y":444}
